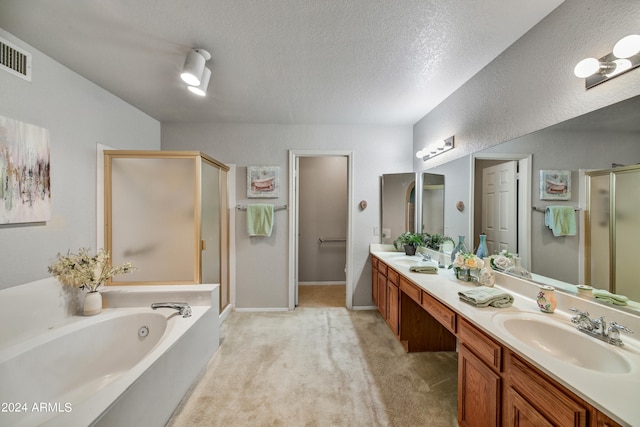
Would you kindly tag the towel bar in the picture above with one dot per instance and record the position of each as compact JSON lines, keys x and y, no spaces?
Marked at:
{"x":543,"y":210}
{"x":275,"y":208}
{"x":321,"y":240}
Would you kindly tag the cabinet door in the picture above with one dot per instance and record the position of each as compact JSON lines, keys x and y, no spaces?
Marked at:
{"x":393,"y":313}
{"x":520,"y":413}
{"x":374,"y":286}
{"x":478,"y":392}
{"x":382,"y":294}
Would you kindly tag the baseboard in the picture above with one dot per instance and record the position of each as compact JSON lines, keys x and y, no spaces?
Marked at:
{"x":321,"y":283}
{"x":364,"y":307}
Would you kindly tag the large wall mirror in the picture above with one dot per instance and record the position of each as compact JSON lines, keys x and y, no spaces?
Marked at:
{"x":604,"y":139}
{"x":406,"y":209}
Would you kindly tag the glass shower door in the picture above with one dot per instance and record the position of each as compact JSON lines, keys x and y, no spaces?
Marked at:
{"x":153,"y":219}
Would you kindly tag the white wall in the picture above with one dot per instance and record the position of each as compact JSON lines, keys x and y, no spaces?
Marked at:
{"x":78,"y":115}
{"x":262,"y":265}
{"x":529,"y":87}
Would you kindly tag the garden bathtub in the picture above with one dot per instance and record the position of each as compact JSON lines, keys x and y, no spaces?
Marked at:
{"x":125,"y":366}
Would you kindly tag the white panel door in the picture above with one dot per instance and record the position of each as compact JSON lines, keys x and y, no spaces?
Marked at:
{"x":499,"y":207}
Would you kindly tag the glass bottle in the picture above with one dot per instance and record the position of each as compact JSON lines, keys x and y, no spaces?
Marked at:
{"x":441,"y":256}
{"x":517,"y":270}
{"x":459,"y":247}
{"x":483,"y":250}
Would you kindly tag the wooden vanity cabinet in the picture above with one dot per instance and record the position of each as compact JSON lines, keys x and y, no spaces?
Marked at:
{"x":422,"y":327}
{"x":532,"y":397}
{"x":479,"y":379}
{"x":374,"y":280}
{"x":386,"y":292}
{"x":496,"y":387}
{"x":601,"y":420}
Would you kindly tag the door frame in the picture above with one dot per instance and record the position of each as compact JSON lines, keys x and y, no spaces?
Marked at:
{"x":524,"y":198}
{"x":294,"y":155}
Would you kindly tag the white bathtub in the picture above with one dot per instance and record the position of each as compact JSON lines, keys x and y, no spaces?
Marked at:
{"x":98,"y":370}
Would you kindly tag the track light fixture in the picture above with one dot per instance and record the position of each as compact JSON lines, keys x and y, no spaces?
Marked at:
{"x":430,"y":152}
{"x":625,"y":57}
{"x":201,"y":89}
{"x":193,"y":70}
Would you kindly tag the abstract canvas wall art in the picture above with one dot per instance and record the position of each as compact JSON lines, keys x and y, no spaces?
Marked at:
{"x":25,"y":185}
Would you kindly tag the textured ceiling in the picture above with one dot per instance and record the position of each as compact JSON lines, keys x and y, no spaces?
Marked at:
{"x":277,"y":61}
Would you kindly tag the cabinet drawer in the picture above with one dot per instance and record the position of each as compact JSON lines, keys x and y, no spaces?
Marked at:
{"x":382,"y":268}
{"x":393,"y":276}
{"x":557,"y":405}
{"x":411,"y":290}
{"x":484,"y":347}
{"x":439,"y":312}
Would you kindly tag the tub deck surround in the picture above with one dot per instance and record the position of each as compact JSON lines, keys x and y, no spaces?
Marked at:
{"x":61,"y":363}
{"x":609,"y":393}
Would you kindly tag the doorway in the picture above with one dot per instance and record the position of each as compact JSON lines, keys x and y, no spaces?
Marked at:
{"x":320,"y":242}
{"x":496,"y":178}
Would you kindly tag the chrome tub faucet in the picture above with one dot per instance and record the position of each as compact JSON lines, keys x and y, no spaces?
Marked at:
{"x":183,"y":308}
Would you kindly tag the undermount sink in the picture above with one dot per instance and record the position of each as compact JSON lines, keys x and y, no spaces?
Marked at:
{"x":563,"y":342}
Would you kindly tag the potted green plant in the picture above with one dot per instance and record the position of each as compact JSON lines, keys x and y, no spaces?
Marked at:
{"x":433,"y":241}
{"x":410,"y":242}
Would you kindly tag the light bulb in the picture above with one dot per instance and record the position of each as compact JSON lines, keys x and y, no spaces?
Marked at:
{"x":627,"y":46}
{"x":419,"y":154}
{"x":586,"y":67}
{"x":201,"y":89}
{"x":622,"y":65}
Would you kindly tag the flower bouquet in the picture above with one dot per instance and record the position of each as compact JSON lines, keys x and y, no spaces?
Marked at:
{"x":464,"y":264}
{"x":502,"y":261}
{"x":86,"y":271}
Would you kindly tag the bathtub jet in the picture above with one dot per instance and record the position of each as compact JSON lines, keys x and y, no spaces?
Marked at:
{"x":182,"y":307}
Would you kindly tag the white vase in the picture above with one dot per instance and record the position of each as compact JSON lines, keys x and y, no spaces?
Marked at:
{"x":487,"y":276}
{"x":92,"y":303}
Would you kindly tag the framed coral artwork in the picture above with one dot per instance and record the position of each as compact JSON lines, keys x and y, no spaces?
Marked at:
{"x":555,"y":185}
{"x":263,"y":181}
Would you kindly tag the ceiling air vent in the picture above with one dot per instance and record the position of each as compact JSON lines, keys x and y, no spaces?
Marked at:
{"x":15,"y":60}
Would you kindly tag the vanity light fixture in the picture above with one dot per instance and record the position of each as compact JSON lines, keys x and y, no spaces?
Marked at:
{"x":430,"y":152}
{"x":625,"y":57}
{"x":193,"y":68}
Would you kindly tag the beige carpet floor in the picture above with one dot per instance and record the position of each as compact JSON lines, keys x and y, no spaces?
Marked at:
{"x":322,"y":296}
{"x":319,"y":367}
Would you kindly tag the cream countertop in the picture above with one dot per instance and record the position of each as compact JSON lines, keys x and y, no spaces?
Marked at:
{"x":612,"y":394}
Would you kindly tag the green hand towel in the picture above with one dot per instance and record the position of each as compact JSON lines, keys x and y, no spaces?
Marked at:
{"x":259,"y":219}
{"x":428,"y":269}
{"x":607,"y":296}
{"x":561,"y":220}
{"x":483,"y":297}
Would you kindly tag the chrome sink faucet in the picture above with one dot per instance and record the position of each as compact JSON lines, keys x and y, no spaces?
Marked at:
{"x":182,"y":307}
{"x":597,"y":328}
